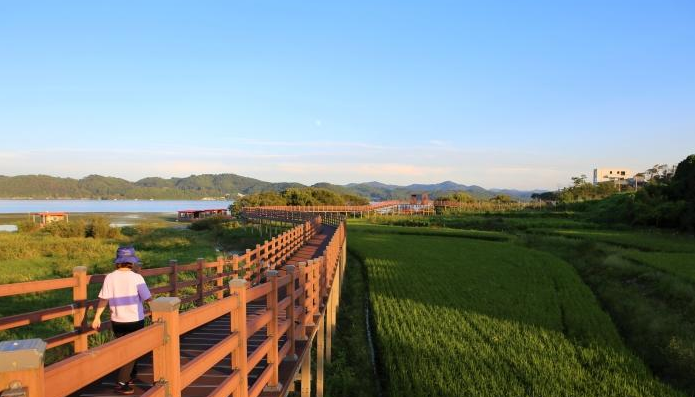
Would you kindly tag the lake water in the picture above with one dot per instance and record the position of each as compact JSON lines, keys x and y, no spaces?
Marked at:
{"x":154,"y":206}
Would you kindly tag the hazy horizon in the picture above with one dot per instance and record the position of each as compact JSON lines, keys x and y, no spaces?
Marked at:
{"x":500,"y":95}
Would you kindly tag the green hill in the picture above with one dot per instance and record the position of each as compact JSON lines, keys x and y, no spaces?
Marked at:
{"x":102,"y":187}
{"x":209,"y":185}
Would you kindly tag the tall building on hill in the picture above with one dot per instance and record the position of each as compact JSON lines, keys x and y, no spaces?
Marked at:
{"x":611,"y":174}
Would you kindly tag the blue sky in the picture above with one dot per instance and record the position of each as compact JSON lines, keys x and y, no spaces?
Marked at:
{"x":499,"y":94}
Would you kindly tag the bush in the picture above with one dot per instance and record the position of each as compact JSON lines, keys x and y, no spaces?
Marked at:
{"x":130,"y":231}
{"x":99,"y":227}
{"x":27,"y":226}
{"x":65,"y":229}
{"x":212,"y":223}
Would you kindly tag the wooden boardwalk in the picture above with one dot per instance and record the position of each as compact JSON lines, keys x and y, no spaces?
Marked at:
{"x":206,"y":336}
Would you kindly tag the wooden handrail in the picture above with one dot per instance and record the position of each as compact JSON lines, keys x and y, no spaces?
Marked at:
{"x":199,"y":365}
{"x":204,"y":314}
{"x":60,"y":378}
{"x":257,"y":292}
{"x":305,"y":287}
{"x":36,"y":286}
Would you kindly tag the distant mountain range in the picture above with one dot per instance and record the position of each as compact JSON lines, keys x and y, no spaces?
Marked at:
{"x":381,"y":191}
{"x":228,"y":186}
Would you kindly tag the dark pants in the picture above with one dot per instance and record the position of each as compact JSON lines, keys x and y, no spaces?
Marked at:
{"x":128,"y":371}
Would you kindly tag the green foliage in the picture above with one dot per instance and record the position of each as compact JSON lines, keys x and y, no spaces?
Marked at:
{"x":647,"y":241}
{"x":546,"y":196}
{"x":684,"y":179}
{"x":26,"y":257}
{"x":211,"y":223}
{"x":27,"y":226}
{"x":130,"y":231}
{"x":459,"y":197}
{"x":351,"y":374}
{"x":258,"y":199}
{"x":66,"y":229}
{"x":653,"y":308}
{"x":502,"y":198}
{"x":581,"y":190}
{"x":677,"y":263}
{"x":667,"y":202}
{"x":507,"y":222}
{"x":100,"y":227}
{"x":101,"y":187}
{"x":425,"y":231}
{"x":468,"y":317}
{"x":95,"y":227}
{"x":297,"y":196}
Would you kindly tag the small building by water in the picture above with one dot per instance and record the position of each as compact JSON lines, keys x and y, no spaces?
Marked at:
{"x":193,"y":215}
{"x":44,"y":218}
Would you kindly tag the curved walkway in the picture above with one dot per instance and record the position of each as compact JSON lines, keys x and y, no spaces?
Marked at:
{"x":199,"y":340}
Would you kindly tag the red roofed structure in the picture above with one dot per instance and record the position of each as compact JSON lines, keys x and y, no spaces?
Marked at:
{"x":49,"y":217}
{"x":194,"y":215}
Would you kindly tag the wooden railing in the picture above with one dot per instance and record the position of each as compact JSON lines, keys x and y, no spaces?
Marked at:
{"x":323,"y":209}
{"x":205,"y":278}
{"x":310,"y":300}
{"x":272,"y":214}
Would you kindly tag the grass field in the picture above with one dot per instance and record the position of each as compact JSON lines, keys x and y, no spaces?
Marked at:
{"x":457,"y":316}
{"x":677,"y":263}
{"x":431,"y":231}
{"x":642,"y":240}
{"x":501,"y":222}
{"x":650,"y":295}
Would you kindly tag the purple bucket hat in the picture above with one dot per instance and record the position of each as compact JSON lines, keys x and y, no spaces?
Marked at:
{"x":126,"y":255}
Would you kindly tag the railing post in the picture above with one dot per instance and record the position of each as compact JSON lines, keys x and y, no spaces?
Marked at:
{"x":247,"y":266}
{"x":329,"y":325}
{"x":235,"y":265}
{"x":79,"y":298}
{"x":272,"y":332}
{"x":259,"y":264}
{"x":320,"y":349}
{"x":306,"y":373}
{"x":323,"y":278}
{"x":237,"y":287}
{"x":199,"y":276}
{"x":166,"y":359}
{"x":316,"y":288}
{"x":21,"y":367}
{"x":336,"y":290}
{"x":174,"y":278}
{"x":289,"y":314}
{"x":219,"y":282}
{"x":304,"y":285}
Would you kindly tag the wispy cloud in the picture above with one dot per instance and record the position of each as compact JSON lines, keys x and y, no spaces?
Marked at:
{"x":307,"y":162}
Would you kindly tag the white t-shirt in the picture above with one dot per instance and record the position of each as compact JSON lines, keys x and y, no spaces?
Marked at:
{"x":125,"y":291}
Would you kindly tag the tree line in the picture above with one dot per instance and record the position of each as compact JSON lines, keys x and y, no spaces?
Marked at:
{"x":297,"y":196}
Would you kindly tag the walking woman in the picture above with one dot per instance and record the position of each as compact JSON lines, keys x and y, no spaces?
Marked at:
{"x":124,"y":291}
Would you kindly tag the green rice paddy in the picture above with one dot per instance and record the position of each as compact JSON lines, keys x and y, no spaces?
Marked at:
{"x":457,"y":317}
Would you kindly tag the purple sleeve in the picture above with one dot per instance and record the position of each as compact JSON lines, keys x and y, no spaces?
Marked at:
{"x":144,"y":292}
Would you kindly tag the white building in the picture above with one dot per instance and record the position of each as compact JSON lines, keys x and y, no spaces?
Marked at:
{"x":611,"y":174}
